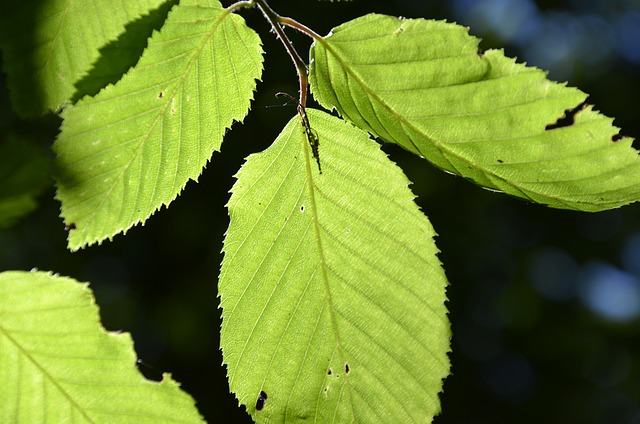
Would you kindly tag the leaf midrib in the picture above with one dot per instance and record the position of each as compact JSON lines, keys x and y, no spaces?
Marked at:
{"x":323,"y":265}
{"x":4,"y":332}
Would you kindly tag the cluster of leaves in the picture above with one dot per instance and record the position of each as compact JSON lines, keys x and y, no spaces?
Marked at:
{"x":333,"y":297}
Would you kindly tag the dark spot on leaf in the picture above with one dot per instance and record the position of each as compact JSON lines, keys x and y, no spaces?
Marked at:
{"x":329,"y":371}
{"x":70,"y":227}
{"x":346,"y":368}
{"x":160,"y":95}
{"x":262,"y":398}
{"x":302,"y":208}
{"x":567,"y":119}
{"x":500,"y":161}
{"x":326,"y":389}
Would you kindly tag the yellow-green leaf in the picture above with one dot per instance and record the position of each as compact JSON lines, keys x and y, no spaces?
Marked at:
{"x":332,"y":294}
{"x":58,"y":365}
{"x":424,"y":85}
{"x":129,"y":150}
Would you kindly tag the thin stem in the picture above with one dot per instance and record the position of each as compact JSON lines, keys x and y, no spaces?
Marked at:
{"x":300,"y":27}
{"x":301,"y":67}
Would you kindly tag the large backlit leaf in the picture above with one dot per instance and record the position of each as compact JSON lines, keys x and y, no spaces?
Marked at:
{"x":332,"y":294}
{"x":423,"y":85}
{"x":48,"y":45}
{"x":58,"y":365}
{"x":132,"y":148}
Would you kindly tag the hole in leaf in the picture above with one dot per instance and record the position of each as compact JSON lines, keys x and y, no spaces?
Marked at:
{"x":346,"y":368}
{"x":635,"y":144}
{"x":161,"y":95}
{"x":302,"y":208}
{"x":70,"y":227}
{"x":568,"y":118}
{"x":329,"y":372}
{"x":500,"y":161}
{"x":262,"y":398}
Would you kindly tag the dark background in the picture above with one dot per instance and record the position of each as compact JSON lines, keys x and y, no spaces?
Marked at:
{"x":545,"y":304}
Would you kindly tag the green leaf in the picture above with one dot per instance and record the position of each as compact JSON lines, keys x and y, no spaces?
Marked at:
{"x":60,"y":365}
{"x":48,"y":45}
{"x":24,"y":173}
{"x":424,"y":85}
{"x":132,"y":148}
{"x":332,"y":294}
{"x":117,"y":57}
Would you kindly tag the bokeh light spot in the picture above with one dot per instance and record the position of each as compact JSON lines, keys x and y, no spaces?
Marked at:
{"x":552,"y":273}
{"x":610,"y":292}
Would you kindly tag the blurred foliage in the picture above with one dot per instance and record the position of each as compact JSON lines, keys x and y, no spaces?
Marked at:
{"x":535,"y":295}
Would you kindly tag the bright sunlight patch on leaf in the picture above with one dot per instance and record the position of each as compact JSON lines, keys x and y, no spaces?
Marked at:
{"x":131,"y":149}
{"x":424,"y":85}
{"x":59,"y":365}
{"x":331,"y":290}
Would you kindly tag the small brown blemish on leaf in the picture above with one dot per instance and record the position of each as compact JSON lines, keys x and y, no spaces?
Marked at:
{"x":400,"y":30}
{"x":262,"y":398}
{"x":568,"y":118}
{"x":500,"y":161}
{"x":173,"y":106}
{"x":70,"y":227}
{"x":326,"y":389}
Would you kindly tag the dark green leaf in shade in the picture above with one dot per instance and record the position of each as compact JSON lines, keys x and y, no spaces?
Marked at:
{"x":24,"y":173}
{"x":48,"y":45}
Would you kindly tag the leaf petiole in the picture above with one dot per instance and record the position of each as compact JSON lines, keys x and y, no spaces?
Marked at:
{"x":241,"y":4}
{"x":301,"y":67}
{"x":312,"y":136}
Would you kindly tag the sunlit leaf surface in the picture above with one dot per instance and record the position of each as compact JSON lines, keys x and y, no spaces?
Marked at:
{"x":58,"y":365}
{"x":425,"y":86}
{"x":332,"y":294}
{"x":132,"y":148}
